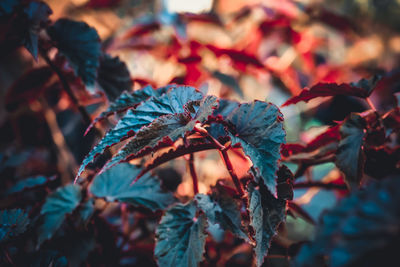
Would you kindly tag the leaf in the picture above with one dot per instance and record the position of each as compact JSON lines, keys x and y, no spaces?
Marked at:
{"x":225,"y":107}
{"x":37,"y":14}
{"x":362,"y":88}
{"x":7,"y":6}
{"x":86,"y":210}
{"x":113,"y":76}
{"x":229,"y":81}
{"x":12,"y":223}
{"x":29,"y":183}
{"x":331,"y":135}
{"x":128,"y":100}
{"x":362,"y":230}
{"x":350,"y":156}
{"x":258,"y":128}
{"x":171,"y":103}
{"x":80,"y":44}
{"x":165,"y":129}
{"x":115,"y":184}
{"x":47,"y":258}
{"x":266,"y":213}
{"x":181,"y":237}
{"x":223,"y":210}
{"x":57,"y":206}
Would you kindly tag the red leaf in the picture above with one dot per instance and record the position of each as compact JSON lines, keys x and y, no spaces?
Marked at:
{"x":328,"y":89}
{"x":329,"y":136}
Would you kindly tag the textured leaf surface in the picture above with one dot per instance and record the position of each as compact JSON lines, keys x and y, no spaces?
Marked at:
{"x":80,"y":43}
{"x":181,"y":237}
{"x":222,"y":210}
{"x":171,"y":103}
{"x":115,"y":185}
{"x":12,"y":223}
{"x":362,"y":89}
{"x":128,"y":100}
{"x":113,"y":76}
{"x":258,"y":128}
{"x":266,"y":213}
{"x":350,"y":156}
{"x":57,"y":205}
{"x":166,"y":128}
{"x":362,"y":230}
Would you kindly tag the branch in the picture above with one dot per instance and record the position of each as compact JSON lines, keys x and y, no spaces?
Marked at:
{"x":67,"y":88}
{"x":232,"y":172}
{"x":193,"y":174}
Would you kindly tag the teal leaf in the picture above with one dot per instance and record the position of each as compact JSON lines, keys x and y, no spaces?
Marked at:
{"x":113,"y":76}
{"x":57,"y":206}
{"x":258,"y":128}
{"x":229,"y":81}
{"x":115,"y":184}
{"x":362,"y":230}
{"x":29,"y":183}
{"x":350,"y":156}
{"x":181,"y":237}
{"x":266,"y":213}
{"x":37,"y":14}
{"x":86,"y":210}
{"x":127,"y":100}
{"x":222,"y":209}
{"x":80,"y":44}
{"x":166,"y":129}
{"x":48,"y":258}
{"x":12,"y":223}
{"x":172,"y":103}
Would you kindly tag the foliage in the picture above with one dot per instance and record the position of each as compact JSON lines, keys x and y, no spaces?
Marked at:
{"x":131,"y":202}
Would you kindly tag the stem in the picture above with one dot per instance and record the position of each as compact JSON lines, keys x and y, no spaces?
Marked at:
{"x":67,"y":88}
{"x":231,"y":171}
{"x":204,"y":133}
{"x":193,"y":174}
{"x":370,"y":104}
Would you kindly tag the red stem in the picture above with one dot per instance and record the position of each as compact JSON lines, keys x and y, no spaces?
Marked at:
{"x":370,"y":104}
{"x":193,"y":174}
{"x":235,"y":179}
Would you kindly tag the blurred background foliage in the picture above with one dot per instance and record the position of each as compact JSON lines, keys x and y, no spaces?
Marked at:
{"x":237,"y":49}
